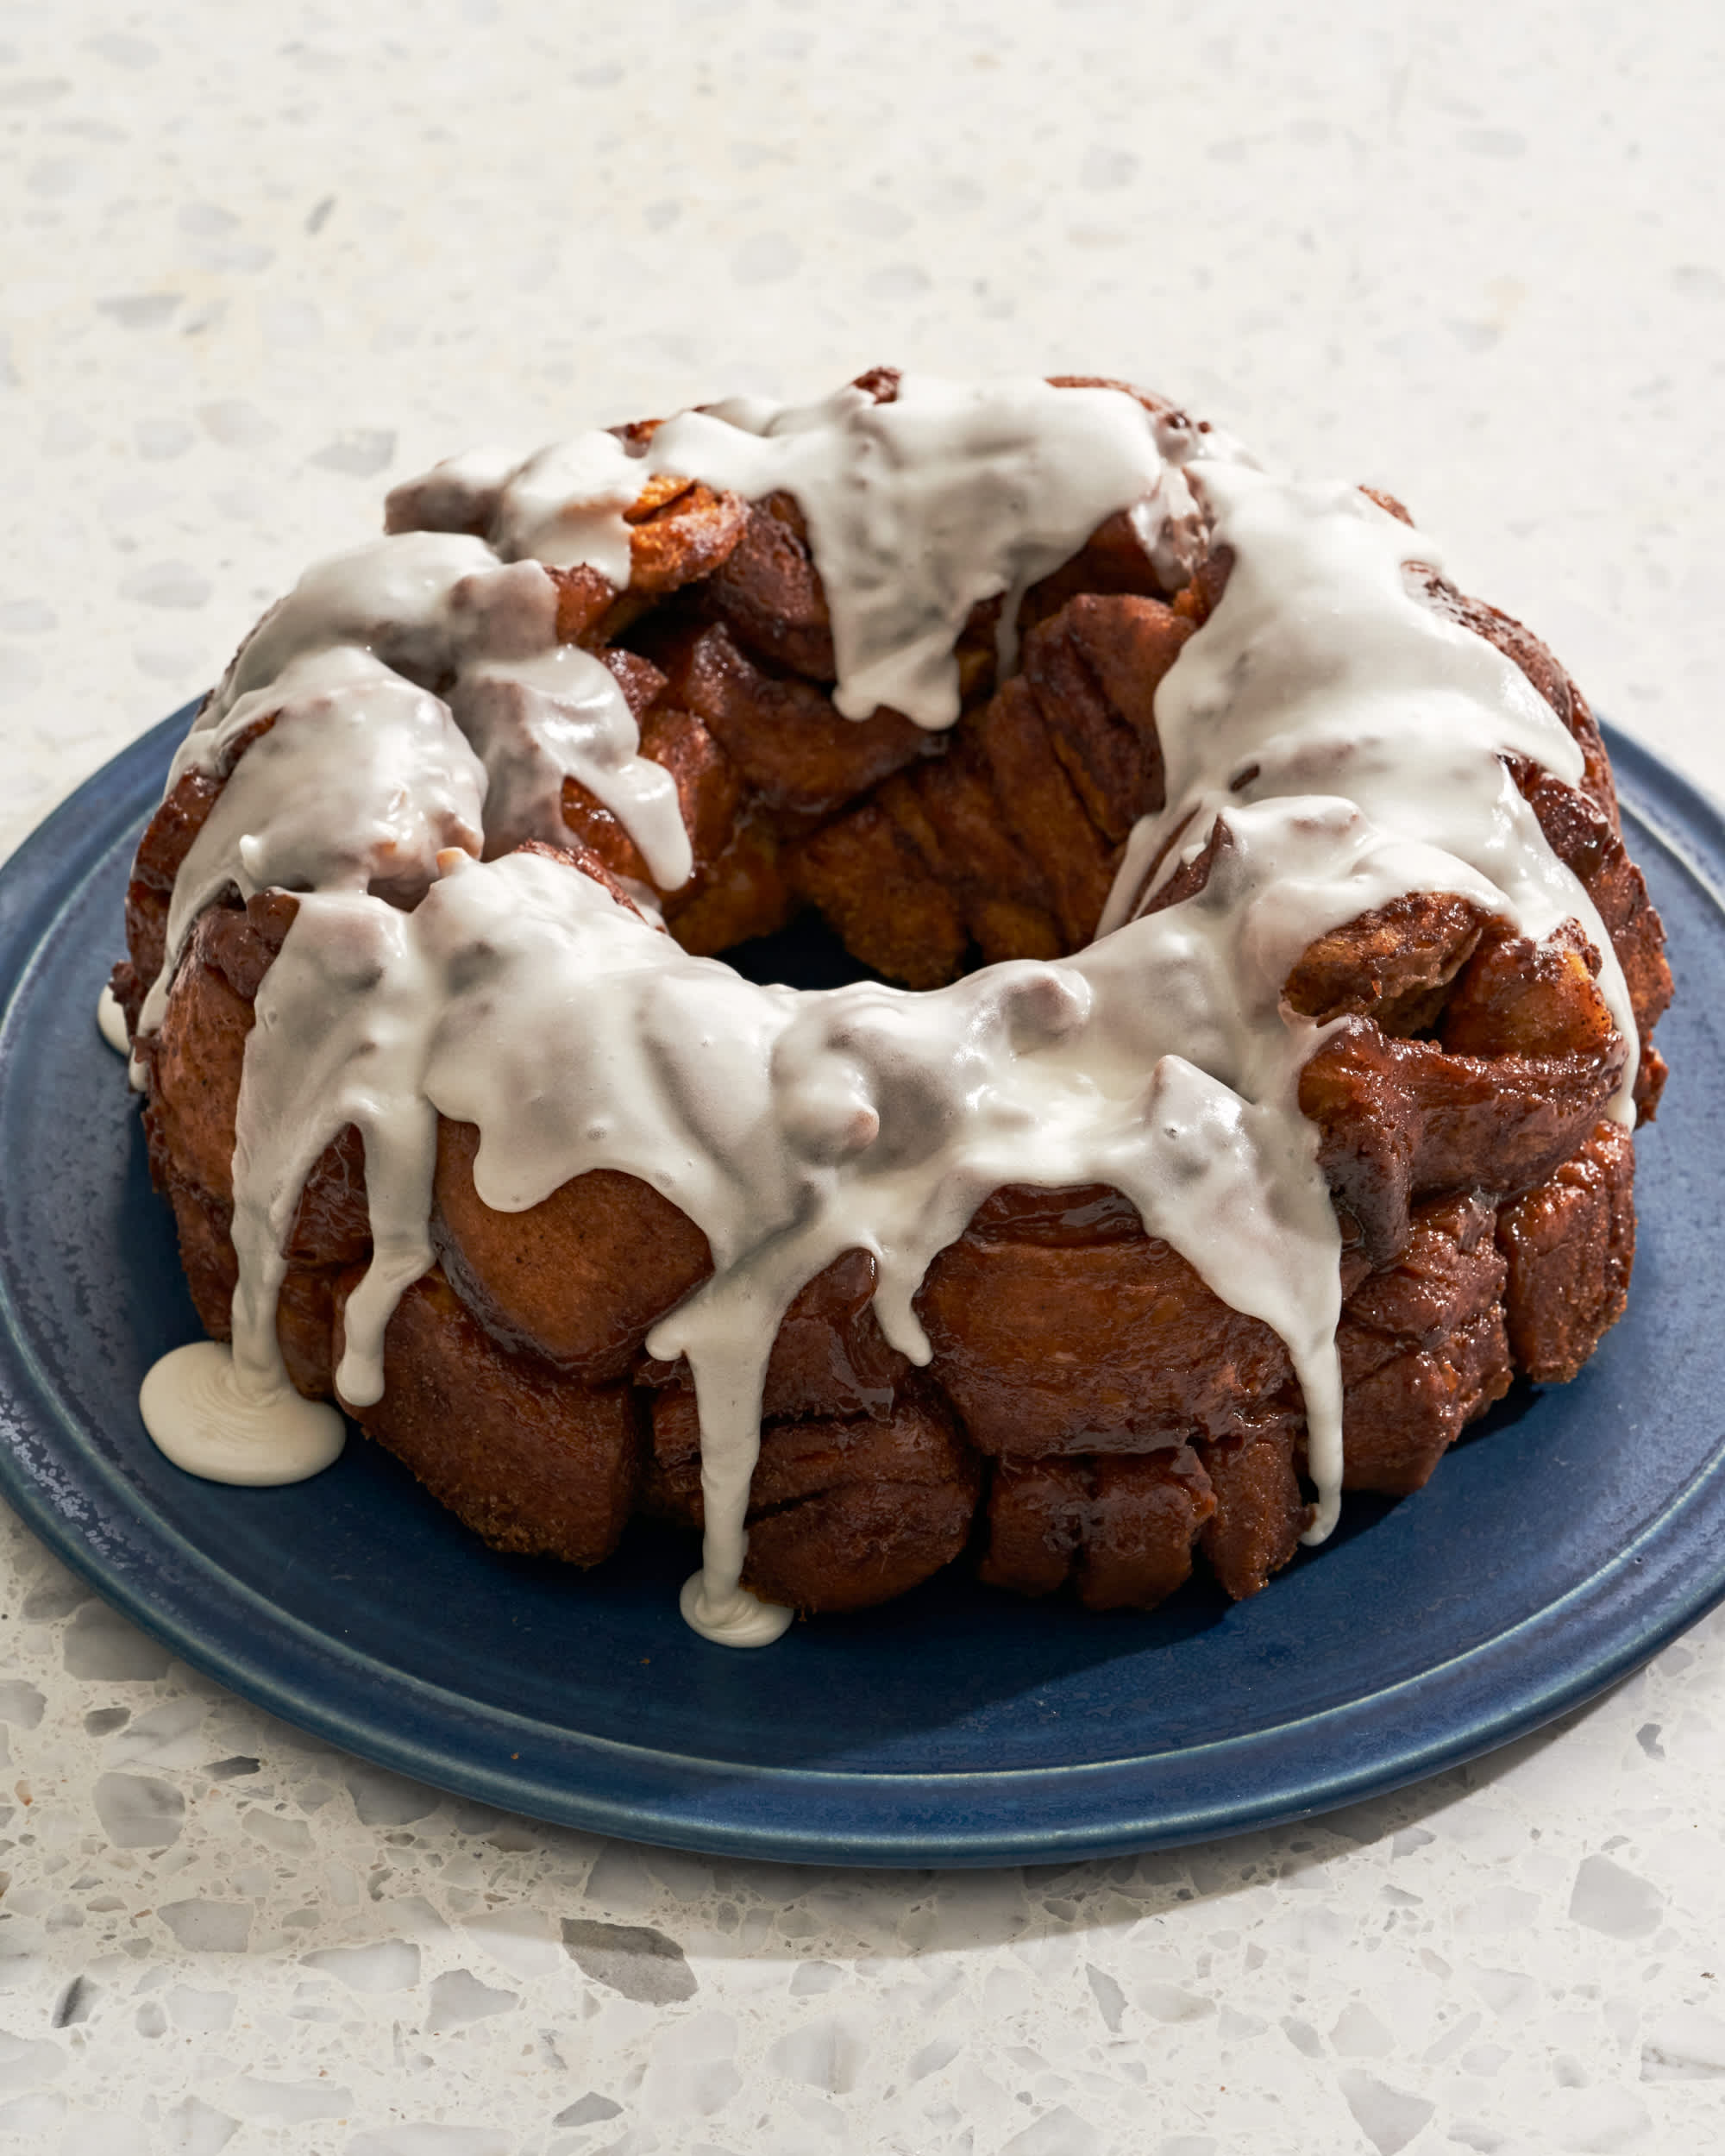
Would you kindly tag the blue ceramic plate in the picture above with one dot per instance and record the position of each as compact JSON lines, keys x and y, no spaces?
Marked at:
{"x":1555,"y":1549}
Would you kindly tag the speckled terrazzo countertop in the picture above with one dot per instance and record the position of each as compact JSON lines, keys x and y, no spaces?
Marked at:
{"x":257,"y":263}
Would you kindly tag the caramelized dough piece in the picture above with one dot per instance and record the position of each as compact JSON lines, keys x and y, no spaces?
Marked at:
{"x":305,"y":1328}
{"x":1400,"y":1118}
{"x":1585,"y":839}
{"x":641,"y":681}
{"x":868,"y":1540}
{"x":1638,"y":937}
{"x":783,"y":734}
{"x":1036,"y":1524}
{"x":746,"y":893}
{"x":870,"y":883}
{"x":976,"y":653}
{"x":242,"y":942}
{"x":830,"y":1357}
{"x":1096,"y":668}
{"x":680,"y":530}
{"x":949,"y":811}
{"x":1260,"y":1513}
{"x":1157,"y":406}
{"x":1138,"y":1535}
{"x":1433,"y":960}
{"x":167,"y":840}
{"x":333,"y":1225}
{"x":1388,"y":502}
{"x":1118,"y":1347}
{"x":206,"y":1254}
{"x":841,"y":1514}
{"x":1007,"y":928}
{"x":1122,"y":1529}
{"x":709,"y":793}
{"x":582,"y":1277}
{"x":1060,"y":1214}
{"x":1200,"y":598}
{"x":1423,"y":1348}
{"x":1394,"y":962}
{"x":525,"y":1457}
{"x":1043,"y":812}
{"x":575,"y":854}
{"x":1518,"y":998}
{"x":709,"y":788}
{"x":769,"y":595}
{"x":1113,"y":561}
{"x":196,"y":1064}
{"x":1650,"y":1074}
{"x":586,"y":597}
{"x":1579,"y":831}
{"x":1570,"y":1246}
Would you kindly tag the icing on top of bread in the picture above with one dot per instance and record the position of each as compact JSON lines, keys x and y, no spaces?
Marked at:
{"x":919,"y":505}
{"x":1333,"y":741}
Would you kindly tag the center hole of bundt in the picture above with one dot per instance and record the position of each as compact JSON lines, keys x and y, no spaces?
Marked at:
{"x":808,"y":952}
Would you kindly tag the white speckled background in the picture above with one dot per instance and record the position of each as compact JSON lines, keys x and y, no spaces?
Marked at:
{"x":258,"y":261}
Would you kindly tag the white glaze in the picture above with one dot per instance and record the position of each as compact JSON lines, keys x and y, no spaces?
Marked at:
{"x":1322,"y":670}
{"x":952,"y":493}
{"x":558,"y":712}
{"x":365,"y":774}
{"x":361,"y":780}
{"x":111,"y":1022}
{"x":342,"y":1023}
{"x":791,"y":1127}
{"x":211,"y":1421}
{"x":736,"y":1617}
{"x":565,"y":506}
{"x":460,"y":494}
{"x":390,"y":597}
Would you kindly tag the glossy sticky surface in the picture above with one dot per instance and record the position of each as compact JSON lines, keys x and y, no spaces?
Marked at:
{"x":1553,"y":1551}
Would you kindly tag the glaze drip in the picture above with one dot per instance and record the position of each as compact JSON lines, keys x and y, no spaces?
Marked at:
{"x":919,"y":507}
{"x":1320,"y":672}
{"x":405,"y":697}
{"x":111,"y":1023}
{"x":359,"y":782}
{"x":950,"y":494}
{"x":1353,"y":739}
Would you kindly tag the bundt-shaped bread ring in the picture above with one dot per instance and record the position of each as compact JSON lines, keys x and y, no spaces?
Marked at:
{"x":1062,"y":1383}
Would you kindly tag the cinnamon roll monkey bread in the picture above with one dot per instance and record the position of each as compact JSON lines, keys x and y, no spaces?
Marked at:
{"x":1248,"y":1005}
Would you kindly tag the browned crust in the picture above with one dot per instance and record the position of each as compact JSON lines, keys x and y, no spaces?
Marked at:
{"x":532,"y":1464}
{"x":844,"y":1512}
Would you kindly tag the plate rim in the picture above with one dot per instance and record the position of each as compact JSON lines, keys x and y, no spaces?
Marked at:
{"x":884,"y":1821}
